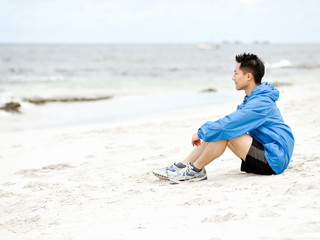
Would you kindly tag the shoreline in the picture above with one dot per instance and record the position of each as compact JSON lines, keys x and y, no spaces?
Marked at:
{"x":56,"y":114}
{"x":83,"y":181}
{"x":40,"y":101}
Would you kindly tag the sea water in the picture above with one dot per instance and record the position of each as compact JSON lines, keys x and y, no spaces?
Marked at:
{"x":139,"y":78}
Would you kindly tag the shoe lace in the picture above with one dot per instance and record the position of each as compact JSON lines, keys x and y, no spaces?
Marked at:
{"x":187,"y":171}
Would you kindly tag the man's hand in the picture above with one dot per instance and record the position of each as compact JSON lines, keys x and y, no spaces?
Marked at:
{"x":196,"y":140}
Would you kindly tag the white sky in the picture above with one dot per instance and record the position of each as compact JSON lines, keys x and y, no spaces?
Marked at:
{"x":159,"y":21}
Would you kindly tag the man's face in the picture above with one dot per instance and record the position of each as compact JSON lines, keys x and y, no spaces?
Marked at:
{"x":240,"y":79}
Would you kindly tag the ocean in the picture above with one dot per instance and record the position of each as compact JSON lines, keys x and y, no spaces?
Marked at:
{"x":139,"y":78}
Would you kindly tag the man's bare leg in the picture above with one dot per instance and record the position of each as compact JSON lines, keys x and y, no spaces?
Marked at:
{"x":209,"y":151}
{"x":195,"y":154}
{"x":212,"y":151}
{"x":240,"y":146}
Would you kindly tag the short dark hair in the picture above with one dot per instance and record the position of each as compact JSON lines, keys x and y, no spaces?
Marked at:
{"x":252,"y":64}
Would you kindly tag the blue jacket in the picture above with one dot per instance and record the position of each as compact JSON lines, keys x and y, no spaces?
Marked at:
{"x":260,"y":117}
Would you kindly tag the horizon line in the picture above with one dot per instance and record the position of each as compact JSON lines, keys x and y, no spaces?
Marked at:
{"x":224,"y":42}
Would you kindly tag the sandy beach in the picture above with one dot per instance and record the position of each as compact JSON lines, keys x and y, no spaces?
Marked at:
{"x":95,"y":182}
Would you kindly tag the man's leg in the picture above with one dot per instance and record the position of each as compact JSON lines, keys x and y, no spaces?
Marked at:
{"x":210,"y":151}
{"x":240,"y":146}
{"x":195,"y":154}
{"x":206,"y":153}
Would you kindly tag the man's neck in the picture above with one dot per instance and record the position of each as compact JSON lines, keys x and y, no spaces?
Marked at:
{"x":250,"y":89}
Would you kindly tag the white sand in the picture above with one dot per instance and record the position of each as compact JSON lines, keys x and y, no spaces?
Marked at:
{"x":96,"y":182}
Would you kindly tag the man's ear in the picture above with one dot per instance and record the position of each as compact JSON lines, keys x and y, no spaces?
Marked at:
{"x":249,"y":76}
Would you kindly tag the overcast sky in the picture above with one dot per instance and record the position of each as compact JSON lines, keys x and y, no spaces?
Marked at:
{"x":159,"y":21}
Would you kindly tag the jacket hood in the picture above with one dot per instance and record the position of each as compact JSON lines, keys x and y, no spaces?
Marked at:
{"x":267,"y":90}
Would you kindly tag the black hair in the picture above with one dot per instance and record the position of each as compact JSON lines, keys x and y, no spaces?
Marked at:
{"x":252,"y":64}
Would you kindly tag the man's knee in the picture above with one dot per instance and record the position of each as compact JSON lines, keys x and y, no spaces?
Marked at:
{"x":240,"y":145}
{"x":220,"y":144}
{"x":245,"y":139}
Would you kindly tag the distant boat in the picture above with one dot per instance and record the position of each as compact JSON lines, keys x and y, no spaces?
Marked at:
{"x":262,"y":42}
{"x":207,"y":46}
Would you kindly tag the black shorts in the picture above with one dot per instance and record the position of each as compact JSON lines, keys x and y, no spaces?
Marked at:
{"x":255,"y":161}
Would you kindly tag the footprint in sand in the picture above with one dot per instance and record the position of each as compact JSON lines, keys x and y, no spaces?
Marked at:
{"x":57,"y":166}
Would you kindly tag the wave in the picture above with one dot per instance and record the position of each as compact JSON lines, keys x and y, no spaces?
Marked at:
{"x":25,"y":79}
{"x":284,"y":63}
{"x":305,"y":66}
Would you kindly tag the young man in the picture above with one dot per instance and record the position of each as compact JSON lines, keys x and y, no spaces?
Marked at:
{"x":255,"y":132}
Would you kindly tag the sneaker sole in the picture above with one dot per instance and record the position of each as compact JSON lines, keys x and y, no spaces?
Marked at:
{"x":161,"y":177}
{"x":189,"y":180}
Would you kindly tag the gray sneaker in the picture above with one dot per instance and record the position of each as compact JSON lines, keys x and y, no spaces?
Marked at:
{"x":187,"y":174}
{"x":162,"y":173}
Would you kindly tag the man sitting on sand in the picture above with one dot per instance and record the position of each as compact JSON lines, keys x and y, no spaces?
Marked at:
{"x":255,"y":132}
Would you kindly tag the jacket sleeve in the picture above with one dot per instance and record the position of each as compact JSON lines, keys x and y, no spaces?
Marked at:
{"x":252,"y":115}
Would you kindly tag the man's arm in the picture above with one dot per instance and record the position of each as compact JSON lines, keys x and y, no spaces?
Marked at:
{"x":238,"y":123}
